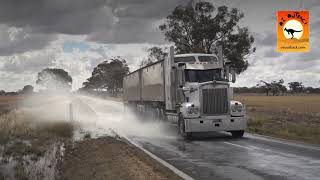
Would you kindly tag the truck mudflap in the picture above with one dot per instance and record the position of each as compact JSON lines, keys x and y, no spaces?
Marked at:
{"x":216,"y":124}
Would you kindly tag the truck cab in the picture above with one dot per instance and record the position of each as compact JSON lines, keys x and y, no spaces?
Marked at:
{"x":204,"y":97}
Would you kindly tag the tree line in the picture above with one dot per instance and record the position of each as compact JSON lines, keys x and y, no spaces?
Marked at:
{"x":27,"y":89}
{"x":276,"y":88}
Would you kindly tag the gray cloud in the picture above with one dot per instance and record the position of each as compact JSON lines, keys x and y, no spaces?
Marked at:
{"x":106,"y":21}
{"x":27,"y":63}
{"x":18,"y":40}
{"x":80,"y":16}
{"x":129,"y":30}
{"x":272,"y":53}
{"x":265,"y":38}
{"x":30,"y":25}
{"x":311,"y":4}
{"x":149,"y":9}
{"x":137,"y":22}
{"x":12,"y":81}
{"x":59,"y":16}
{"x":308,"y":57}
{"x":111,"y":21}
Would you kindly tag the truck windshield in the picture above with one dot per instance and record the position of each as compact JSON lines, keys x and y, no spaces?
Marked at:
{"x":190,"y":59}
{"x":209,"y":59}
{"x":192,"y":75}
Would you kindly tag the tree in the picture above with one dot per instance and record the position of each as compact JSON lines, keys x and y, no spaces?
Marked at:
{"x":27,"y":89}
{"x":54,"y":79}
{"x":157,"y":53}
{"x":275,"y":87}
{"x":278,"y":87}
{"x":154,"y":54}
{"x":265,"y":86}
{"x":108,"y":75}
{"x":194,"y":28}
{"x":295,"y":87}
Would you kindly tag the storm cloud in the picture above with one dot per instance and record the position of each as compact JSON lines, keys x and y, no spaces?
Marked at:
{"x":33,"y":33}
{"x":106,"y":21}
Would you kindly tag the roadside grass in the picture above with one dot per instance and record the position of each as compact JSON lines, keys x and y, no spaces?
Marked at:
{"x":262,"y":123}
{"x":20,"y":172}
{"x":8,"y":103}
{"x":19,"y":124}
{"x":24,"y":135}
{"x":289,"y":117}
{"x":309,"y":104}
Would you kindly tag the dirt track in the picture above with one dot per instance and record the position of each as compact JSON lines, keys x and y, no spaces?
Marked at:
{"x":108,"y":158}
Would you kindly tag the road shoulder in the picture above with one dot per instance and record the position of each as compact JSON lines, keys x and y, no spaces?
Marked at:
{"x":109,"y":158}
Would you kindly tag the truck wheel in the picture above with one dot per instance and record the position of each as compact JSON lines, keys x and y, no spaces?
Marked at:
{"x":162,"y":115}
{"x":158,"y":114}
{"x":181,"y":130}
{"x":237,"y":134}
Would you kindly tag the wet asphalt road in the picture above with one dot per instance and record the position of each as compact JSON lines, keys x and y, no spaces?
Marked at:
{"x":219,"y":156}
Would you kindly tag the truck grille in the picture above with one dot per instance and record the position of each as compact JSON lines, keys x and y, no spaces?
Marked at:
{"x":215,"y":101}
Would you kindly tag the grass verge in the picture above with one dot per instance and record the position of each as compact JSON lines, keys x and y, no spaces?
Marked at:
{"x":109,"y":158}
{"x":26,"y":142}
{"x":288,"y":117}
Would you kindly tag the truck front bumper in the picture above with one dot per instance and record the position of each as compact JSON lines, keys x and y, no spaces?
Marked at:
{"x":217,"y":123}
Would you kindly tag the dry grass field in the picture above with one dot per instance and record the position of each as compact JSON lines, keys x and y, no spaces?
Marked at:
{"x":7,"y":103}
{"x":291,"y":117}
{"x":28,"y":145}
{"x":11,"y":99}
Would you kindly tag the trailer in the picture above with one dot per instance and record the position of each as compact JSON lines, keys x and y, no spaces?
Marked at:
{"x":190,"y":90}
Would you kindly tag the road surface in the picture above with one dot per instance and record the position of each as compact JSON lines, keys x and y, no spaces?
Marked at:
{"x":219,"y":156}
{"x":222,"y":157}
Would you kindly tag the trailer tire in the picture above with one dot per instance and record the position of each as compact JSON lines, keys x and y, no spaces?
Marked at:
{"x":237,"y":134}
{"x":181,"y":129}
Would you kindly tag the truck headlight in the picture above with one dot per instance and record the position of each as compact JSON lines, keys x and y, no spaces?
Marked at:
{"x":193,"y":110}
{"x":237,"y":108}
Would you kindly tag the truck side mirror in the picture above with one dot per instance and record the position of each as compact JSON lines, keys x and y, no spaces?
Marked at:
{"x":180,"y":77}
{"x":186,"y":89}
{"x":227,"y":73}
{"x":233,"y":72}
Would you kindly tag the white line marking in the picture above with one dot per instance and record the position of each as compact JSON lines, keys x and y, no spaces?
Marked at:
{"x":237,"y":145}
{"x":283,"y":141}
{"x":164,"y":163}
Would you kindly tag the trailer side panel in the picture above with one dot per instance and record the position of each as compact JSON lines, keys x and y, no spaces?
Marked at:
{"x":132,"y":87}
{"x":153,"y":83}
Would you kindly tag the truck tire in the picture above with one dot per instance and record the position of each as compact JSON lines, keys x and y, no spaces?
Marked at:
{"x":181,"y":129}
{"x":237,"y":134}
{"x":158,"y":114}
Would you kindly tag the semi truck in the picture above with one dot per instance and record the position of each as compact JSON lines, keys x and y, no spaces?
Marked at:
{"x":190,"y":90}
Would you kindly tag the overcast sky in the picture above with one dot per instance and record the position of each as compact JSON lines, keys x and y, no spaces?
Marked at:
{"x":76,"y":35}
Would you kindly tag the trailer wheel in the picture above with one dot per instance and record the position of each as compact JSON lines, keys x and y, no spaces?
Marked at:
{"x":162,"y":115}
{"x":237,"y":134}
{"x":158,"y":114}
{"x":181,"y":128}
